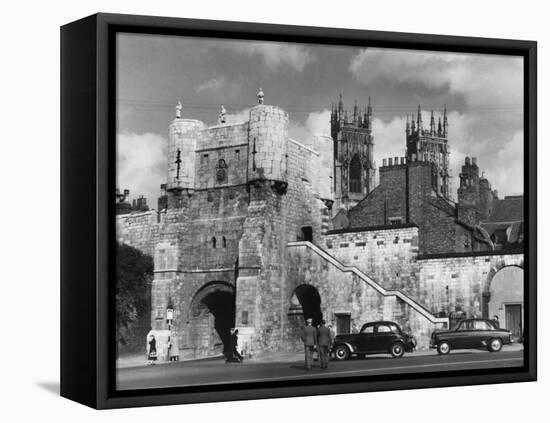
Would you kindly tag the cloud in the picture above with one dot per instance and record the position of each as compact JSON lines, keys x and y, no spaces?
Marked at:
{"x":219,"y":84}
{"x":141,"y":164}
{"x":483,"y":80}
{"x":389,"y":138}
{"x":211,"y":85}
{"x":506,"y":170}
{"x":315,"y":123}
{"x":276,"y":55}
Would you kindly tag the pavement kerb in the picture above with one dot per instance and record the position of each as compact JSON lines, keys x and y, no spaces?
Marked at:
{"x":289,"y":357}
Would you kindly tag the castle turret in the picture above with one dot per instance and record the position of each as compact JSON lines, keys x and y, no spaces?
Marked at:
{"x":183,"y":136}
{"x":268,"y":134}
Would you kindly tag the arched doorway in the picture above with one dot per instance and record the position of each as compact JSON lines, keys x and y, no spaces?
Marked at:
{"x":211,"y":317}
{"x":305,"y":302}
{"x":309,"y":300}
{"x":504,"y":296}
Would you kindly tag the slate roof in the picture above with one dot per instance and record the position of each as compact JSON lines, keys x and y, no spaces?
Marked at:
{"x":509,"y":209}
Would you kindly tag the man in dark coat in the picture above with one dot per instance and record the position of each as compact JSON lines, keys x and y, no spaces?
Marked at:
{"x":324,"y":341}
{"x":309,"y":338}
{"x":496,"y":322}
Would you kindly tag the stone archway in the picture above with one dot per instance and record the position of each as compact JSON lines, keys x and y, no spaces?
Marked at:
{"x":305,"y":302}
{"x":503,"y":297}
{"x":211,"y":317}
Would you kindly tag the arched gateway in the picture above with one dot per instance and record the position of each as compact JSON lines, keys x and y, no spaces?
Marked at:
{"x":211,"y":317}
{"x":305,"y":302}
{"x":503,"y":297}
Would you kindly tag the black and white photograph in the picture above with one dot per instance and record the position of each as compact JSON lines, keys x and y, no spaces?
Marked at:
{"x":275,"y":211}
{"x":295,"y":211}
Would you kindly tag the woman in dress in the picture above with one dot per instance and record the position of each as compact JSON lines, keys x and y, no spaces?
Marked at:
{"x":152,"y":350}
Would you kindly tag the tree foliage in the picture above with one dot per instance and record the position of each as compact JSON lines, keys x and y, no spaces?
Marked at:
{"x":134,"y":273}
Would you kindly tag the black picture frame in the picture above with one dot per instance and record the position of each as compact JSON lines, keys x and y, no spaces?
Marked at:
{"x":87,"y":227}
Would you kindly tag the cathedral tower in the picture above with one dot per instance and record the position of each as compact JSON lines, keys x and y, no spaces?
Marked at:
{"x":431,"y":144}
{"x":354,"y":166}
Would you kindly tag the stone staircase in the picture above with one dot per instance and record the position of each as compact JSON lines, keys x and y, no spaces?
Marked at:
{"x":437,"y":321}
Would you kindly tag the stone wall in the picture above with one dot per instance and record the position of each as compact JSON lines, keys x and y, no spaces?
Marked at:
{"x":387,"y":254}
{"x":456,"y":283}
{"x":139,"y":230}
{"x":221,"y":157}
{"x":347,"y":292}
{"x":441,"y":283}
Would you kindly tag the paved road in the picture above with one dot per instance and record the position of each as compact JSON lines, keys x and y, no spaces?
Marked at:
{"x":214,"y":371}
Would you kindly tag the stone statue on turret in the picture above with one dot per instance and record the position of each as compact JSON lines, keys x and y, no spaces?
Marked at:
{"x":260,"y":97}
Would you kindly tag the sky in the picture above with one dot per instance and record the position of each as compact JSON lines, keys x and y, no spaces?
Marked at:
{"x":483,"y":95}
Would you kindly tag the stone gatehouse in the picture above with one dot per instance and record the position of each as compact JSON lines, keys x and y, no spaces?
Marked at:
{"x":247,"y":235}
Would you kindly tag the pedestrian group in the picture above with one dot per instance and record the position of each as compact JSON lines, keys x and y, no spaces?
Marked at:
{"x":322,"y":338}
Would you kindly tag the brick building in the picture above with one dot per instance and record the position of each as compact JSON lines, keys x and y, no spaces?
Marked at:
{"x":257,"y":231}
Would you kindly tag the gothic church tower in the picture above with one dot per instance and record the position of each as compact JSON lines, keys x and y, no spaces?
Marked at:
{"x":354,"y":166}
{"x":431,"y":145}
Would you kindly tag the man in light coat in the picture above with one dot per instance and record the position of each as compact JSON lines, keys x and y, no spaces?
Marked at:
{"x":324,"y":341}
{"x":309,"y":338}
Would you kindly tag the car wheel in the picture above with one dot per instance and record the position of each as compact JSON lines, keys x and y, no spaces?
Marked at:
{"x":444,"y":348}
{"x":495,"y":345}
{"x":397,"y":350}
{"x":341,"y":353}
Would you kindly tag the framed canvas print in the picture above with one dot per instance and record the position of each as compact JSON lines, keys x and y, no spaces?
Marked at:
{"x":256,"y":211}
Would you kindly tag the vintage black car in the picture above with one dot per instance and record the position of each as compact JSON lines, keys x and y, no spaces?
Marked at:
{"x":471,"y":333}
{"x":374,"y":338}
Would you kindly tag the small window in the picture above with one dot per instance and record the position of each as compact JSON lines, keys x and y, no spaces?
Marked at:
{"x":395,"y":221}
{"x":224,"y":242}
{"x":244,"y":317}
{"x":205,"y":158}
{"x":213,"y":242}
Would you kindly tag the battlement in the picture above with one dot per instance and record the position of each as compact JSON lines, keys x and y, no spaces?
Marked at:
{"x":393,"y":161}
{"x":403,"y":161}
